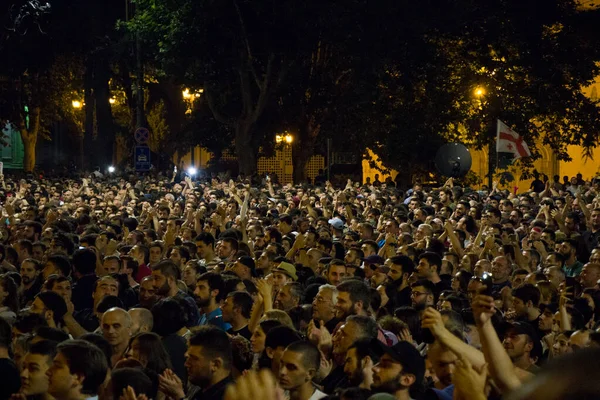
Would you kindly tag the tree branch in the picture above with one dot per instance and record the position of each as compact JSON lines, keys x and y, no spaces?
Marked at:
{"x":265,"y":90}
{"x":247,"y":43}
{"x":222,"y":118}
{"x":246,"y":93}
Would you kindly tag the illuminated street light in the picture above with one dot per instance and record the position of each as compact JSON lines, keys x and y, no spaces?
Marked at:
{"x":287,"y":138}
{"x":111,"y":169}
{"x":76,"y":104}
{"x":479,"y":91}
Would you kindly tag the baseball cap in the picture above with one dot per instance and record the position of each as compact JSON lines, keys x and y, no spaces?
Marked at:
{"x":248,"y":262}
{"x":407,"y":355}
{"x":337,"y":223}
{"x":525,"y":328}
{"x":288,"y":269}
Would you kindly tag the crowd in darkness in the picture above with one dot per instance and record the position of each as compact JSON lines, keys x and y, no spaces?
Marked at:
{"x":165,"y":287}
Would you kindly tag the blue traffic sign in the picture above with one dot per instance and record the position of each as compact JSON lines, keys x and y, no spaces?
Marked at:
{"x":142,"y":158}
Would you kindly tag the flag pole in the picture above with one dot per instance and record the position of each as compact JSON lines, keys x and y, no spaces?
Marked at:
{"x":492,"y":156}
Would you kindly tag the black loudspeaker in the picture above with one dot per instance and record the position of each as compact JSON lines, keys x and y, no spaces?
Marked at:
{"x":453,"y":160}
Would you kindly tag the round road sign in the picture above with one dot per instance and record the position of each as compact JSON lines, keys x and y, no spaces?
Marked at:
{"x":141,"y":135}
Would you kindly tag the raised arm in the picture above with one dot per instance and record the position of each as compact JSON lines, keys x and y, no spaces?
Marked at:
{"x":501,"y":367}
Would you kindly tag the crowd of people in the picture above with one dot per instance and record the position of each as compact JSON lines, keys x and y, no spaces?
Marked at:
{"x":152,"y":287}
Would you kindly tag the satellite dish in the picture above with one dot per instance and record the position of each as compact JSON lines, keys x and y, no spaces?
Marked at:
{"x":453,"y":160}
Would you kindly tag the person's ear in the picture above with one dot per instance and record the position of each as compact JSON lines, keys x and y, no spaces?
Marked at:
{"x":407,"y":380}
{"x":216,"y":364}
{"x":529,"y":346}
{"x":310,"y":374}
{"x":358,"y":306}
{"x":270,"y":352}
{"x":49,"y":315}
{"x":78,"y":380}
{"x":366,"y":363}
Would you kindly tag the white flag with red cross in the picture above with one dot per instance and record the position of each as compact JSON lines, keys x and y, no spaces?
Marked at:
{"x":508,"y":141}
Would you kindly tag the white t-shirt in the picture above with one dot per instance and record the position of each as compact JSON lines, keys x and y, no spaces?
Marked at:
{"x":317,"y":395}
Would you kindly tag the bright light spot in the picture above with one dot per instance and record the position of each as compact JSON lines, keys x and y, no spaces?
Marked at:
{"x":192,"y":171}
{"x":200,"y":90}
{"x":112,"y":100}
{"x":186,"y":94}
{"x":76,"y":104}
{"x":111,"y":169}
{"x":287,"y":138}
{"x":479,"y":91}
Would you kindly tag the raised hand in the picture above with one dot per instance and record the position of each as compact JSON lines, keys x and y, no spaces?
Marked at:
{"x":469,"y":382}
{"x":483,"y":308}
{"x":432,"y":320}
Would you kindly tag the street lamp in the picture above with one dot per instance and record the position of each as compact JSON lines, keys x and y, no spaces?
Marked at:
{"x":112,"y":100}
{"x":76,"y":104}
{"x":479,"y":91}
{"x":287,"y":138}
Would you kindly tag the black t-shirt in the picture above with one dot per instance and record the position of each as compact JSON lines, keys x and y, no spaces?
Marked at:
{"x":10,"y":378}
{"x":244,"y":332}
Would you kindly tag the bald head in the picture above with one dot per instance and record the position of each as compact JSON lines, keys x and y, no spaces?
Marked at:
{"x":580,"y":339}
{"x":116,"y":327}
{"x":141,"y":320}
{"x":590,"y":274}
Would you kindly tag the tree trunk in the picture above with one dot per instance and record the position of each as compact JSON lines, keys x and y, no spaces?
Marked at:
{"x":29,"y":137}
{"x":245,"y":152}
{"x":304,"y":147}
{"x":104,"y":117}
{"x":301,"y":154}
{"x":88,"y":130}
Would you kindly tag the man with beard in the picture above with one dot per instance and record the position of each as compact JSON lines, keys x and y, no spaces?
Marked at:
{"x":401,"y":267}
{"x":208,"y":294}
{"x":33,"y":231}
{"x":399,"y":369}
{"x":37,"y":361}
{"x":422,"y":294}
{"x":30,"y":277}
{"x":147,"y":296}
{"x":289,"y":296}
{"x":208,"y":362}
{"x":356,"y":327}
{"x":568,"y":249}
{"x":358,"y":366}
{"x":165,"y":275}
{"x":353,"y":299}
{"x":323,"y":307}
{"x":443,"y":362}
